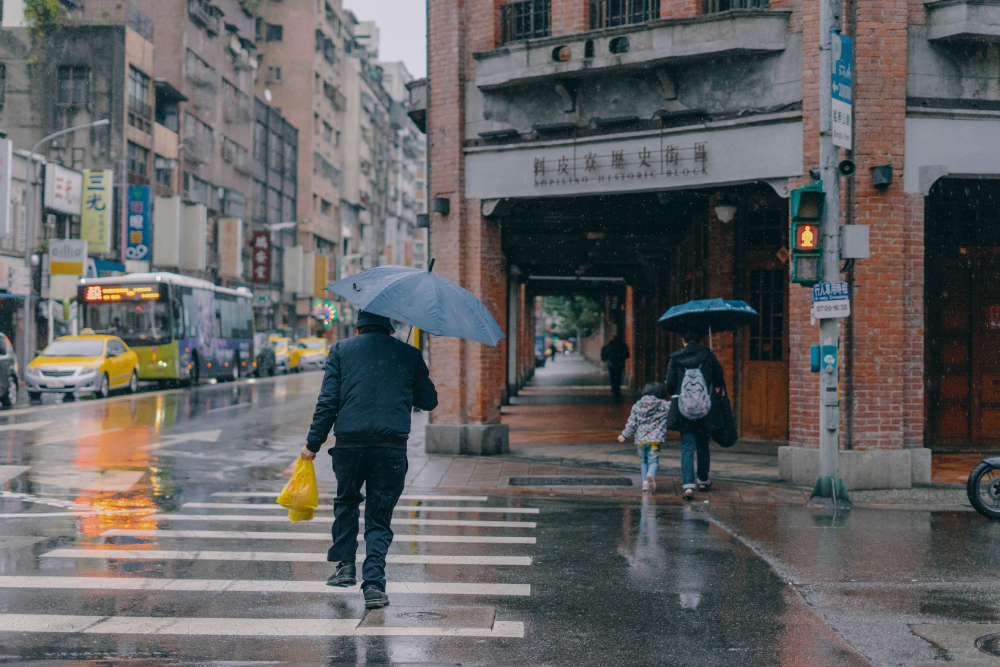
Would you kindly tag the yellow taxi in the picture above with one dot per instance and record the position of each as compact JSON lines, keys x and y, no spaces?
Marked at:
{"x":309,"y":354}
{"x":83,"y":364}
{"x":282,"y":346}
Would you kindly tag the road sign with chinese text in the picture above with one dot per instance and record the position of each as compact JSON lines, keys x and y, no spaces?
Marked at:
{"x":138,"y":215}
{"x":830,"y":300}
{"x":95,"y":220}
{"x":260,"y":249}
{"x":840,"y":88}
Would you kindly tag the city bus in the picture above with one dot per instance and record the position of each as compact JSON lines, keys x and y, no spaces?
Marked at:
{"x":182,"y":328}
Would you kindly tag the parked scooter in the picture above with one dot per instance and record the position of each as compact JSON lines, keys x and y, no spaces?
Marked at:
{"x":984,"y":487}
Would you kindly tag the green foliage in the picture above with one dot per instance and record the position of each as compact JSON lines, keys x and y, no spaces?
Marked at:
{"x":251,"y":5}
{"x":573,"y":314}
{"x":43,"y":16}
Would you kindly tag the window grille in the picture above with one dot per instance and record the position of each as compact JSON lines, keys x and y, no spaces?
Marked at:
{"x":527,"y":19}
{"x":610,"y":13}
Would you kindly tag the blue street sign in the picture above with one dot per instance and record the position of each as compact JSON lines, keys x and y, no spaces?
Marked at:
{"x":830,"y":300}
{"x":137,"y":223}
{"x":840,"y":88}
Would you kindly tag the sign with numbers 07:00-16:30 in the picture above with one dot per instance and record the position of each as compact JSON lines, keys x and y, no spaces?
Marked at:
{"x":830,"y":300}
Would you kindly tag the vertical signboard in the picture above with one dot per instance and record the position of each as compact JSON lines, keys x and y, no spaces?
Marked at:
{"x":840,"y":82}
{"x":231,"y":247}
{"x":260,"y":250}
{"x":138,"y":233}
{"x":95,"y":220}
{"x":319,"y":276}
{"x":6,"y":157}
{"x":63,"y":189}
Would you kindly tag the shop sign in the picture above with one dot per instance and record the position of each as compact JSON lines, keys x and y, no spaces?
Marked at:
{"x":646,"y":162}
{"x":67,"y":257}
{"x":20,"y":280}
{"x":63,"y":189}
{"x":231,"y":247}
{"x":260,"y":249}
{"x":6,"y":158}
{"x":95,"y":219}
{"x":830,"y":300}
{"x":319,"y":275}
{"x":840,"y":88}
{"x":139,"y":233}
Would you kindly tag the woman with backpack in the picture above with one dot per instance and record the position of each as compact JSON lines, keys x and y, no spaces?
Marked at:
{"x":693,"y":374}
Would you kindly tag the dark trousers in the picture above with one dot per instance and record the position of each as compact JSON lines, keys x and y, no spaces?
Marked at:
{"x":382,"y":471}
{"x":616,"y":373}
{"x":692,"y":443}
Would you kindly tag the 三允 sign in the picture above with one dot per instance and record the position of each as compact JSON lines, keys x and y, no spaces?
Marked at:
{"x":95,"y":220}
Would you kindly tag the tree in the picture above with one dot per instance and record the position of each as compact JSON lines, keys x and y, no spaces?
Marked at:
{"x":43,"y":16}
{"x":572,"y":315}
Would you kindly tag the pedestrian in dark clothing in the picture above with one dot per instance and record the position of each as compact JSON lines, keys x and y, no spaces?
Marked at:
{"x":371,"y":385}
{"x":615,"y":353}
{"x":694,"y":432}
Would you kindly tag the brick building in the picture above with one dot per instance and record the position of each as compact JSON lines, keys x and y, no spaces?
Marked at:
{"x":645,"y":150}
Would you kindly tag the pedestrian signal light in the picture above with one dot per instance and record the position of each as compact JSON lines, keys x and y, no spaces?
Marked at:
{"x":807,"y":235}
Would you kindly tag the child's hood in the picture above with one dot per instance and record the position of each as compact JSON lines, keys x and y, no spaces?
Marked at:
{"x":649,"y":405}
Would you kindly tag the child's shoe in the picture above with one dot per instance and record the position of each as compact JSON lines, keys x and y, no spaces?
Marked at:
{"x":650,"y":483}
{"x":645,"y":486}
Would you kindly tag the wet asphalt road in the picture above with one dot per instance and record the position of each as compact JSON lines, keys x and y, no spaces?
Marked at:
{"x":89,"y":574}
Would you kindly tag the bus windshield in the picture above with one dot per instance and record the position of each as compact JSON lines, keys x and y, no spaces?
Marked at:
{"x":135,"y":322}
{"x":74,"y":348}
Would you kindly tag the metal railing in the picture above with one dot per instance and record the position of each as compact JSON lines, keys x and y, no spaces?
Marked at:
{"x":200,"y":13}
{"x":138,"y":21}
{"x":610,"y":13}
{"x":139,"y":108}
{"x":716,"y":6}
{"x":527,"y":19}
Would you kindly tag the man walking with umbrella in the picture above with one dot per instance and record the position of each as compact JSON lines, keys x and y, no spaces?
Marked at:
{"x":371,"y":385}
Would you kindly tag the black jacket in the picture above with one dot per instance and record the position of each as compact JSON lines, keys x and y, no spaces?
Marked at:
{"x":694,"y":356}
{"x":615,"y":353}
{"x":371,"y":384}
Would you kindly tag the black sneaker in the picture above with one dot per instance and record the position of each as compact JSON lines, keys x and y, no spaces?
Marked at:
{"x":375,"y":598}
{"x":346,"y":575}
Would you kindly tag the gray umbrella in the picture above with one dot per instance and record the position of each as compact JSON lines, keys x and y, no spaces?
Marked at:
{"x":422,"y":299}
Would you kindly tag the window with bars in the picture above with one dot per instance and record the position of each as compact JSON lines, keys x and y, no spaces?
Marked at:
{"x":527,"y":19}
{"x":140,"y":112}
{"x":765,"y":228}
{"x":138,"y":160}
{"x":609,"y":13}
{"x":74,"y":85}
{"x":767,"y":297}
{"x":716,"y":6}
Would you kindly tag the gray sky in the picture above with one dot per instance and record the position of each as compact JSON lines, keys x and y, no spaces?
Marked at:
{"x":403,"y":27}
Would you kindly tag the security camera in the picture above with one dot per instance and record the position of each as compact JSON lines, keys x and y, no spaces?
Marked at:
{"x":847,"y":168}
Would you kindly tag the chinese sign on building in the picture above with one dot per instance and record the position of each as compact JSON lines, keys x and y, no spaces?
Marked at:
{"x":95,"y":220}
{"x":138,"y":214}
{"x":67,"y":257}
{"x":231,"y":247}
{"x":63,"y":189}
{"x":261,"y":252}
{"x":647,"y":162}
{"x":319,"y":275}
{"x":840,"y":84}
{"x":6,"y":156}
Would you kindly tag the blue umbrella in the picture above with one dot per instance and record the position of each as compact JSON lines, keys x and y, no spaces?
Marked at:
{"x":711,"y":315}
{"x":422,"y":299}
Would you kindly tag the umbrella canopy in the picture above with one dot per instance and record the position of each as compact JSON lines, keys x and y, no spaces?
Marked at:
{"x":422,"y":299}
{"x":708,"y":315}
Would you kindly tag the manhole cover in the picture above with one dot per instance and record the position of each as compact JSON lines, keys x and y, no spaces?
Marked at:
{"x":422,"y":616}
{"x":570,"y":481}
{"x":989,"y":644}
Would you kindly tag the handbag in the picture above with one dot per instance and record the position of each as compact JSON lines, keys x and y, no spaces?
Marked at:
{"x":726,"y":433}
{"x":673,"y":414}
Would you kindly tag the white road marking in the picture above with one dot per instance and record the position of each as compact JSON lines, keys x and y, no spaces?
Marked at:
{"x":8,"y":472}
{"x":399,"y":508}
{"x":256,"y":586}
{"x":46,"y":515}
{"x":318,"y":537}
{"x":115,"y":480}
{"x":278,"y":556}
{"x":254,"y":518}
{"x":235,"y":627}
{"x":27,"y":426}
{"x":230,"y":407}
{"x":274,"y":494}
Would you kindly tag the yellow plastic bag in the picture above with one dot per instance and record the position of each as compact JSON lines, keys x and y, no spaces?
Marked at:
{"x":300,"y":495}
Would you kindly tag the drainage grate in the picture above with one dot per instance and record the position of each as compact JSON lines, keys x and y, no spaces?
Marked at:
{"x":570,"y":481}
{"x":989,"y":644}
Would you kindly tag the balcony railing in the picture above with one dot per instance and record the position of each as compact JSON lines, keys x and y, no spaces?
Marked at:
{"x":527,"y":19}
{"x":716,"y":6}
{"x":202,"y":14}
{"x":139,"y":115}
{"x":197,"y":150}
{"x":239,"y":110}
{"x":610,"y":13}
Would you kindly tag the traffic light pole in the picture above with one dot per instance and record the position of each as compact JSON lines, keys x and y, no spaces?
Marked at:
{"x":829,"y":485}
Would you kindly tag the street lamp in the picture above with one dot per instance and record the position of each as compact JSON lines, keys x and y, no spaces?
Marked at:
{"x":27,"y":227}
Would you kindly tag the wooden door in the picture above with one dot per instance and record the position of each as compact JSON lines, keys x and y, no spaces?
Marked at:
{"x":764,"y":392}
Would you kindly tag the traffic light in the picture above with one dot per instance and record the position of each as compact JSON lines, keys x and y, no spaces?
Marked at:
{"x":807,"y":234}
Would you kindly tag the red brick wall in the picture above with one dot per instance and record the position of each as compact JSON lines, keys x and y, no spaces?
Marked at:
{"x":570,"y":16}
{"x":675,"y":9}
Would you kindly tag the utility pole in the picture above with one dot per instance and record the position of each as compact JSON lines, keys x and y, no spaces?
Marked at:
{"x":829,"y":485}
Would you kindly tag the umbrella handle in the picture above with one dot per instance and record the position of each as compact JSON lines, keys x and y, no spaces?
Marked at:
{"x":408,"y":334}
{"x":430,"y":268}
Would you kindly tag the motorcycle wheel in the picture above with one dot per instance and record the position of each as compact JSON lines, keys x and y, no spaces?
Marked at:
{"x":984,"y":490}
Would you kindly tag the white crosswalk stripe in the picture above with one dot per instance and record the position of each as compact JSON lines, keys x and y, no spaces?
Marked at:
{"x":399,"y":508}
{"x":318,"y":537}
{"x":118,"y":548}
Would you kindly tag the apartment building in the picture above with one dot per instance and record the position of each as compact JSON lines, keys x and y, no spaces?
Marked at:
{"x":302,"y":62}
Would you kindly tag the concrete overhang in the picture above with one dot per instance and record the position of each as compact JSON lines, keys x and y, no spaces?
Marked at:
{"x":744,"y":31}
{"x":417,"y":108}
{"x":963,"y":20}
